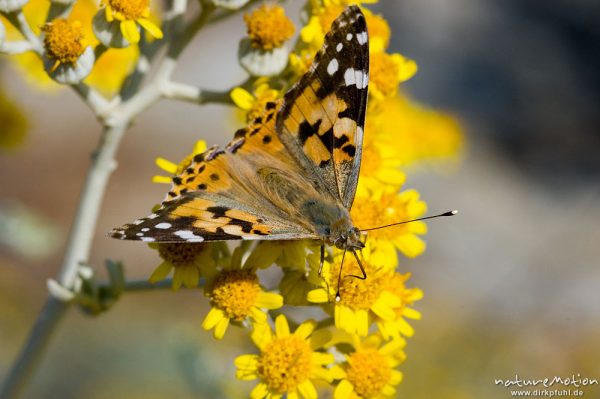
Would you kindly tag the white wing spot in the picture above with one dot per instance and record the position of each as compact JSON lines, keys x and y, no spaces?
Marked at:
{"x":349,"y":77}
{"x":163,"y":226}
{"x":147,"y":239}
{"x":138,"y":221}
{"x":145,"y":229}
{"x":339,"y":47}
{"x":349,"y":36}
{"x":139,"y":234}
{"x":362,"y":38}
{"x":188,"y":236}
{"x":332,"y":67}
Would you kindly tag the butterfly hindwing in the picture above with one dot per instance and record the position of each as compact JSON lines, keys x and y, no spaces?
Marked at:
{"x":322,"y":119}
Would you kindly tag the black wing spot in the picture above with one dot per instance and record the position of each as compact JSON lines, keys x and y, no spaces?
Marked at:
{"x":218,"y":211}
{"x":202,"y":186}
{"x":266,"y":139}
{"x":214,"y":177}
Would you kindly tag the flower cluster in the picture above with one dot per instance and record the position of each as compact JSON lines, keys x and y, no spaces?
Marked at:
{"x":358,"y":344}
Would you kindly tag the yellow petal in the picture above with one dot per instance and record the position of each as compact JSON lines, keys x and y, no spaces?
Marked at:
{"x":396,"y":377}
{"x":322,"y":359}
{"x":258,"y":315}
{"x":347,"y":319}
{"x":282,"y":328}
{"x":412,"y":314}
{"x":305,"y":329}
{"x":166,"y":165}
{"x":221,"y":328}
{"x":407,"y":68}
{"x":318,"y":295}
{"x":405,"y":328}
{"x":264,"y":255}
{"x":292,"y":395}
{"x":242,"y":98}
{"x":268,"y":300}
{"x":307,"y":389}
{"x":246,"y":362}
{"x":259,"y":391}
{"x":150,"y":28}
{"x":192,"y":277}
{"x":344,"y":390}
{"x":130,"y":31}
{"x":261,"y":335}
{"x":108,"y":14}
{"x":161,"y":179}
{"x":214,"y":316}
{"x":337,"y":372}
{"x":199,"y":147}
{"x":177,"y":278}
{"x":362,"y":322}
{"x":410,"y":245}
{"x":388,"y":391}
{"x":161,"y":272}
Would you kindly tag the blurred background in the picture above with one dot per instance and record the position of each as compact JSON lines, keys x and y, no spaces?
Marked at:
{"x":512,"y":284}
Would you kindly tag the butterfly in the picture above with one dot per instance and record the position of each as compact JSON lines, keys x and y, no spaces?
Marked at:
{"x":292,"y":173}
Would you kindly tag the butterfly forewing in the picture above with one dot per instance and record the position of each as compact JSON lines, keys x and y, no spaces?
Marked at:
{"x":322,"y":118}
{"x":292,"y":172}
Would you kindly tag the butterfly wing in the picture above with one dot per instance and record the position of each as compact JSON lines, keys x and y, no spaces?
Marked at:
{"x":222,"y":195}
{"x":322,"y":118}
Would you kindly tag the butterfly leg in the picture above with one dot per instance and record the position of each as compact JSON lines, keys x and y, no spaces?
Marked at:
{"x":362,"y":269}
{"x":322,"y":262}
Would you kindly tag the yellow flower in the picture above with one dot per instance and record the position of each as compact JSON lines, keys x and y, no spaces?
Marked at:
{"x":13,"y":122}
{"x":393,"y":328}
{"x":63,"y":41}
{"x":268,"y":27}
{"x":379,"y":208}
{"x":360,"y":301}
{"x":288,"y":363}
{"x":369,"y":371}
{"x":109,"y":70}
{"x":175,"y":169}
{"x":386,"y":72}
{"x":236,"y":296}
{"x":379,"y":32}
{"x":254,"y":104}
{"x":186,"y":261}
{"x":130,"y":13}
{"x":419,"y":133}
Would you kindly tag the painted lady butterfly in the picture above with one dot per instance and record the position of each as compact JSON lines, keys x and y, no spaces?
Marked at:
{"x":292,"y":173}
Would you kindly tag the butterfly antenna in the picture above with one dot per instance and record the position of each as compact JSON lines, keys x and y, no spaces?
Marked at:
{"x":337,"y":294}
{"x":449,"y":213}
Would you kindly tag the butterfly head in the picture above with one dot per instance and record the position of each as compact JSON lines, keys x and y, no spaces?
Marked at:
{"x":350,"y":240}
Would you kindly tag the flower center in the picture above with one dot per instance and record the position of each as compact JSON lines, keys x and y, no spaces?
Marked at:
{"x":356,"y":293}
{"x":285,"y":363}
{"x":387,"y":210}
{"x":368,"y":372}
{"x":235,"y":291}
{"x":384,"y":73}
{"x":268,"y":27}
{"x":180,"y":254}
{"x":130,"y":9}
{"x":62,"y":40}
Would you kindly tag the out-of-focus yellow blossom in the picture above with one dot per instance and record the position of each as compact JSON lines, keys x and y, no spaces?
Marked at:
{"x":174,"y":169}
{"x":387,"y":71}
{"x":393,"y":329}
{"x":186,"y":261}
{"x":370,"y":370}
{"x":130,"y":13}
{"x":288,"y":363}
{"x":360,"y":301}
{"x":109,"y":70}
{"x":379,"y":208}
{"x":420,"y":134}
{"x":268,"y":27}
{"x":380,"y":163}
{"x":253,"y":104}
{"x":13,"y":122}
{"x":235,"y":296}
